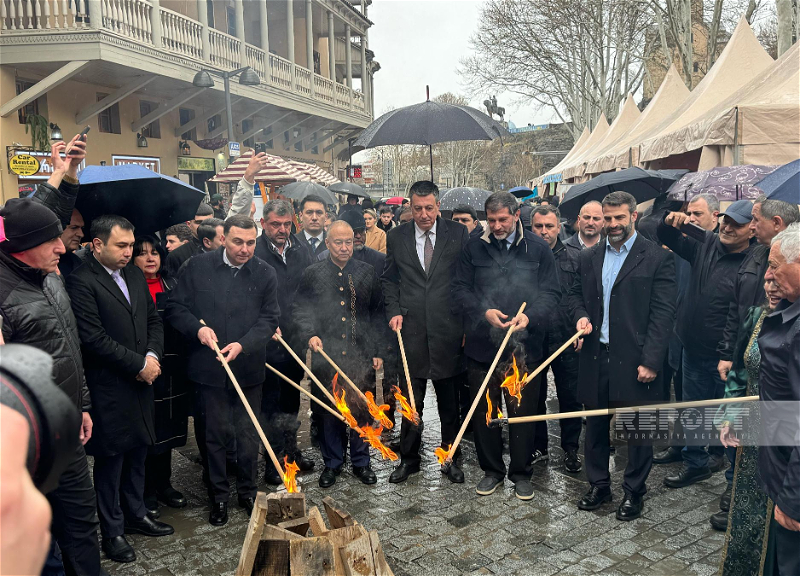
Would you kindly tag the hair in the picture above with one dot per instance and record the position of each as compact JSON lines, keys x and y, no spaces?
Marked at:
{"x":306,"y":200}
{"x":554,"y":201}
{"x":590,"y":203}
{"x":466,"y":209}
{"x":546,"y":209}
{"x":279,"y":207}
{"x":204,"y":210}
{"x":404,"y":211}
{"x":789,"y":213}
{"x":500,"y":200}
{"x":339,"y":224}
{"x":424,"y":188}
{"x":101,"y":227}
{"x":208,"y":229}
{"x":711,"y":201}
{"x":180,"y":231}
{"x":620,"y":198}
{"x":371,"y":212}
{"x":790,"y":242}
{"x":241,"y":221}
{"x":386,"y":210}
{"x":138,"y":248}
{"x":367,"y":203}
{"x":404,"y":201}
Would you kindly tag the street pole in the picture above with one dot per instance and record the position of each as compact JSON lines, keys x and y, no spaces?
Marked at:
{"x":229,"y":111}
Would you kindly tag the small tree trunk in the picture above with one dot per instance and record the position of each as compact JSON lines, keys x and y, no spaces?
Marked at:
{"x":784,"y":9}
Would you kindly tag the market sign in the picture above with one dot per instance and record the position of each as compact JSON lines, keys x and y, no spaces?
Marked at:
{"x":196,"y":164}
{"x":45,"y":169}
{"x":23,"y":165}
{"x":149,"y":162}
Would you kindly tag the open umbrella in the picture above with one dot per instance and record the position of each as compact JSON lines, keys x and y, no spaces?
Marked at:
{"x":642,"y":184}
{"x":724,"y":182}
{"x":521,"y":191}
{"x":474,"y":197}
{"x":395,"y":201}
{"x":783,"y":183}
{"x":151,"y":201}
{"x":299,"y":190}
{"x":348,"y":188}
{"x":429,"y":123}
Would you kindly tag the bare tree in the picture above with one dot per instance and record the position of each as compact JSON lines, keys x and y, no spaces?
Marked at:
{"x":785,"y":18}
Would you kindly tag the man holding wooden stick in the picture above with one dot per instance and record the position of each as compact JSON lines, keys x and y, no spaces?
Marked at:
{"x":497,"y":271}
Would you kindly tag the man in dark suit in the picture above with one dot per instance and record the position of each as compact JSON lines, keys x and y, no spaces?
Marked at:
{"x":122,"y":340}
{"x":590,"y":224}
{"x":312,"y":220}
{"x":625,"y":289}
{"x":194,"y":246}
{"x":421,"y":259}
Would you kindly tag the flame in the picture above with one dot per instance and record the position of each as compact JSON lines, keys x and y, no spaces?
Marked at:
{"x":341,"y":405}
{"x":488,"y":409}
{"x":378,"y":412}
{"x":373,"y":437}
{"x":441,"y":454}
{"x":289,"y":479}
{"x":513,"y":383}
{"x":405,"y":408}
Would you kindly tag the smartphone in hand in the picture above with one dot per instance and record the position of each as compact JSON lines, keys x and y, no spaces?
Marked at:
{"x":693,"y":231}
{"x":81,"y":137}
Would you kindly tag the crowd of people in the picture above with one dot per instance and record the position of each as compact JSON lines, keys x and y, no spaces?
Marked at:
{"x":132,"y":320}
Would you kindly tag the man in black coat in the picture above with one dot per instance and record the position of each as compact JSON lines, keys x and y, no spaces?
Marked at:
{"x":312,"y":220}
{"x":590,"y":225}
{"x":624,"y":300}
{"x":194,"y":246}
{"x":235,"y":295}
{"x":496,"y":273}
{"x":122,"y":339}
{"x":421,"y":258}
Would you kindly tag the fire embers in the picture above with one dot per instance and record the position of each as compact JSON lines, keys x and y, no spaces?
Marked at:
{"x":370,"y":435}
{"x":513,"y":383}
{"x":290,"y":472}
{"x":406,"y":411}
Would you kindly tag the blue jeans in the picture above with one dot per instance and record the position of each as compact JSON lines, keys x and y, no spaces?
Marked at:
{"x":701,"y":381}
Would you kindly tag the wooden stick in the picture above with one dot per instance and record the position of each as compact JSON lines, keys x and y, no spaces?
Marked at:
{"x":610,"y":411}
{"x":408,"y":374}
{"x":553,"y":356}
{"x":343,"y":375}
{"x":247,"y":407}
{"x":306,"y":392}
{"x":307,"y":369}
{"x":479,"y":395}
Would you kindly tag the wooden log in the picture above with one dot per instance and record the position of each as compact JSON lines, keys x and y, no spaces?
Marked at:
{"x":337,"y":517}
{"x":252,"y":536}
{"x":284,"y":506}
{"x":272,"y":558}
{"x":357,"y":558}
{"x":316,"y":522}
{"x":274,"y":532}
{"x":311,"y":557}
{"x":381,"y":565}
{"x":297,"y":525}
{"x":342,"y":537}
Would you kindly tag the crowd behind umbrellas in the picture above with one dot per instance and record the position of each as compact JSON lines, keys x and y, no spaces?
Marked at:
{"x":395,"y":283}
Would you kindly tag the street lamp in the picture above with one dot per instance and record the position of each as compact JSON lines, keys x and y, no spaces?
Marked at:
{"x":55,"y":132}
{"x":247,"y":77}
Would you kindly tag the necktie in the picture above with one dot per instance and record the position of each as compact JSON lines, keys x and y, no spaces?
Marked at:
{"x":117,"y":276}
{"x":427,"y":253}
{"x":508,"y":244}
{"x":234,"y":271}
{"x":314,"y":241}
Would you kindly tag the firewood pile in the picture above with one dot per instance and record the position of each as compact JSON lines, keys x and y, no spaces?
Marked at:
{"x":286,"y":539}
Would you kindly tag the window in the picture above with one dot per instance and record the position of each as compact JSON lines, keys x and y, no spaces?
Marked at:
{"x":186,"y":116}
{"x":28,"y":109}
{"x":210,"y":10}
{"x":152,"y":130}
{"x":214,"y":122}
{"x":108,"y":119}
{"x":231,"y":13}
{"x":247,"y":125}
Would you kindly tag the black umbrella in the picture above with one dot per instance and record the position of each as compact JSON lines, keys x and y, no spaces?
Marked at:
{"x":642,"y":184}
{"x":474,"y":197}
{"x":299,"y":190}
{"x":151,"y":201}
{"x":429,"y":123}
{"x":348,"y":188}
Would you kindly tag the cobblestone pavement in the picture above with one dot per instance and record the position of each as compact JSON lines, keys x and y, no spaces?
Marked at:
{"x":429,"y":526}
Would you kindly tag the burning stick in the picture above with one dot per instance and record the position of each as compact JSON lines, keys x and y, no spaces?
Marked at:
{"x":378,"y":412}
{"x":513,"y":383}
{"x":288,"y":476}
{"x":341,"y":405}
{"x":553,"y":356}
{"x":406,"y":411}
{"x":446,"y":456}
{"x":306,"y":392}
{"x":489,"y":410}
{"x":305,"y":368}
{"x":414,"y":416}
{"x":373,"y":437}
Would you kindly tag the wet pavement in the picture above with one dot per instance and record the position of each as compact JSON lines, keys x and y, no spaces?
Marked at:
{"x":429,"y":526}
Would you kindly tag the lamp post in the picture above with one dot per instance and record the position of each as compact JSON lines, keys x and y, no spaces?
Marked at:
{"x":247,"y":77}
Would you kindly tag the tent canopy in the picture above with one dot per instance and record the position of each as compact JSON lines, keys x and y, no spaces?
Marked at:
{"x":277,"y":170}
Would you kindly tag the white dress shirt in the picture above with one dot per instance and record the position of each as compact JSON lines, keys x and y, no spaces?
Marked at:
{"x":419,"y":235}
{"x":228,"y":262}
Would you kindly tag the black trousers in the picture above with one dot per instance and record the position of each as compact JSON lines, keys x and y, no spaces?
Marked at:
{"x":119,"y":482}
{"x":565,"y":374}
{"x":598,"y":442}
{"x":157,"y":475}
{"x":785,"y":550}
{"x":410,"y":437}
{"x":280,"y":404}
{"x":75,"y":523}
{"x":489,"y":441}
{"x":220,"y":407}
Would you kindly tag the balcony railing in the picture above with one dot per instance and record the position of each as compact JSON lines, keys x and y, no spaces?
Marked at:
{"x":43,"y":14}
{"x":280,"y":71}
{"x":302,"y":80}
{"x":224,"y":49}
{"x":323,"y":88}
{"x":181,"y":34}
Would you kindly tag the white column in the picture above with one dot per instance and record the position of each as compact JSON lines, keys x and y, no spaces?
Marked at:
{"x":155,"y":23}
{"x":264,"y":26}
{"x":364,"y":74}
{"x":331,"y":48}
{"x":348,"y":61}
{"x":238,"y":7}
{"x":309,"y":37}
{"x":93,"y":9}
{"x":290,"y":37}
{"x":202,"y":16}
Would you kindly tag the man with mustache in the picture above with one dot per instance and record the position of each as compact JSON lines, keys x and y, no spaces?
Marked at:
{"x":590,"y":223}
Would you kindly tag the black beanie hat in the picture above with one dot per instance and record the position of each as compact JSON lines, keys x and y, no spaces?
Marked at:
{"x":355,"y":218}
{"x":27,"y":224}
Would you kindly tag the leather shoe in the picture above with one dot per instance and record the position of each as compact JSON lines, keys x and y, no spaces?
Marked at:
{"x":305,"y":464}
{"x":171,"y":497}
{"x":725,"y":499}
{"x":394,"y":445}
{"x":453,"y":473}
{"x":219,"y":514}
{"x":365,"y":474}
{"x":687,"y":477}
{"x":271,"y":476}
{"x":630,"y":508}
{"x":248,"y":504}
{"x":572,"y":462}
{"x":328,"y":477}
{"x":671,"y":454}
{"x":716,"y":462}
{"x":719,"y":521}
{"x":402,"y":472}
{"x":153,"y":513}
{"x":118,"y":549}
{"x":595,"y":498}
{"x":148,"y":527}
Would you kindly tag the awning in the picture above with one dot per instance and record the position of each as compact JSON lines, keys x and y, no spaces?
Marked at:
{"x":314,"y":172}
{"x":277,"y":170}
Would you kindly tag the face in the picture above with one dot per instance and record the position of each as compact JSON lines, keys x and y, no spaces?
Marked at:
{"x":216,"y":242}
{"x":313,"y":217}
{"x":240,"y":244}
{"x":71,"y":237}
{"x":590,"y":221}
{"x":735,"y":237}
{"x":43,"y":257}
{"x":340,"y":244}
{"x":406,"y":217}
{"x":546,"y":226}
{"x":370,"y":221}
{"x":359,"y":238}
{"x":786,"y":275}
{"x":466,"y":220}
{"x":173,"y":242}
{"x":386,"y":218}
{"x":618,"y":223}
{"x":774,"y":294}
{"x":764,"y":229}
{"x":117,"y":252}
{"x":700,"y":215}
{"x":502,"y":222}
{"x":424,"y":210}
{"x":148,"y":260}
{"x":193,"y":224}
{"x":277,"y":228}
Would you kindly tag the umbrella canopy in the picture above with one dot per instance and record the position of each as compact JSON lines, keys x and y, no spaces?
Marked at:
{"x":521,"y":191}
{"x":724,"y":182}
{"x":783,"y":183}
{"x":151,"y":201}
{"x":474,"y":197}
{"x":299,"y":190}
{"x":395,"y":200}
{"x":348,"y":188}
{"x":642,"y":184}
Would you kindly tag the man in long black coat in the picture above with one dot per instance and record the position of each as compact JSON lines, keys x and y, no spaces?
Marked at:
{"x":624,"y":300}
{"x":122,"y":340}
{"x":421,"y":259}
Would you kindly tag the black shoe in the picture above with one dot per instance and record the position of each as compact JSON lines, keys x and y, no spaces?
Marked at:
{"x":671,"y":454}
{"x":453,"y":473}
{"x":687,"y":477}
{"x":402,"y":472}
{"x":118,"y":549}
{"x":248,"y":504}
{"x":523,"y":489}
{"x":572,"y":462}
{"x":595,"y":498}
{"x":219,"y":514}
{"x":540,"y":456}
{"x":630,"y":508}
{"x":716,"y":462}
{"x":148,"y":527}
{"x":365,"y":474}
{"x":153,"y":513}
{"x":271,"y":476}
{"x":725,"y":500}
{"x":305,"y":464}
{"x":394,"y":445}
{"x":719,"y":521}
{"x":328,"y":477}
{"x":171,"y":497}
{"x":488,"y":485}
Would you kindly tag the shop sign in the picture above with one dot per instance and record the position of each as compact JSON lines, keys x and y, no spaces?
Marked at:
{"x":234,"y":149}
{"x":196,"y":164}
{"x":23,"y":165}
{"x":149,"y":162}
{"x":45,"y":165}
